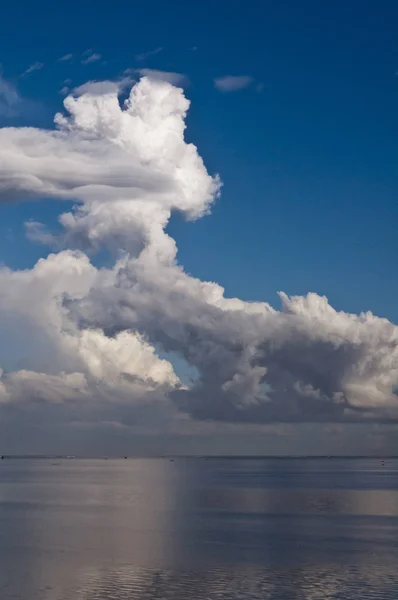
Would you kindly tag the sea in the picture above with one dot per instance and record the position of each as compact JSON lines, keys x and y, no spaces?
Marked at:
{"x":199,"y":528}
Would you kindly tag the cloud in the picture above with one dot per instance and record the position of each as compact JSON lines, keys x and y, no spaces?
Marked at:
{"x":176,"y":79}
{"x":37,"y":66}
{"x":66,"y":58}
{"x":103,"y":88}
{"x":319,"y":365}
{"x":232,"y":83}
{"x":137,"y":157}
{"x":86,"y":339}
{"x":10,"y":99}
{"x":64,"y":91}
{"x":145,"y":55}
{"x":13,"y":105}
{"x":90,"y":58}
{"x":64,"y":364}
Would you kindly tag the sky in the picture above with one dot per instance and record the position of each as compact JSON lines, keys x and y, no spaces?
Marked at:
{"x":284,"y":180}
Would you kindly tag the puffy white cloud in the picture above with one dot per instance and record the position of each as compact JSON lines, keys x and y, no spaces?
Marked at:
{"x":102,"y":152}
{"x":128,"y":167}
{"x":232,"y":83}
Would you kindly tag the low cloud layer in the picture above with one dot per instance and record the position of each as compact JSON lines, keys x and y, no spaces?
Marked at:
{"x":87,"y":338}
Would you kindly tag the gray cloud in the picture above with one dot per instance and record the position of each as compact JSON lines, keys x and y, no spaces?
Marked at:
{"x":319,"y":365}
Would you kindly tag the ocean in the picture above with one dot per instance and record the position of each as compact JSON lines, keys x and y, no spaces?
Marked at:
{"x":200,"y":529}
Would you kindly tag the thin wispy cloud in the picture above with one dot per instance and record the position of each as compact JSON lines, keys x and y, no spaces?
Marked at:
{"x":91,"y":58}
{"x":37,"y":66}
{"x":66,"y":87}
{"x":232,"y":83}
{"x":66,"y":58}
{"x":14,"y":105}
{"x":145,"y":55}
{"x":10,"y":100}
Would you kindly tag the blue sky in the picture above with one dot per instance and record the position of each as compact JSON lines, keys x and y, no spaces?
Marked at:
{"x":307,"y":152}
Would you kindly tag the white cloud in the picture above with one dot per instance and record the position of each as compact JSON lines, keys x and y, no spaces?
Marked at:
{"x":37,"y":66}
{"x":151,"y":127}
{"x":88,"y":335}
{"x":232,"y":83}
{"x":90,"y":58}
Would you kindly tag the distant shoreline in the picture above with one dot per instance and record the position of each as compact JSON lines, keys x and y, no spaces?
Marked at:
{"x":194,"y":456}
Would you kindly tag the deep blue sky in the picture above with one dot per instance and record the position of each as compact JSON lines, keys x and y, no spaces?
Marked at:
{"x":309,"y":164}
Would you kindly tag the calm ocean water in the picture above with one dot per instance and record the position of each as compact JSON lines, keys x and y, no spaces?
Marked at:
{"x":218,"y":529}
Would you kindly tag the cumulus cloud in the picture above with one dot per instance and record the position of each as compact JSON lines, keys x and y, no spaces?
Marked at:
{"x":318,"y":364}
{"x":128,"y":167}
{"x":232,"y":83}
{"x":63,"y":364}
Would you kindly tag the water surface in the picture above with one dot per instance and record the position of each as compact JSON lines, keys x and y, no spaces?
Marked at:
{"x":218,"y":529}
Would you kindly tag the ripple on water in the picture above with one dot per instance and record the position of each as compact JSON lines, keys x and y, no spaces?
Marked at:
{"x":239,"y":583}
